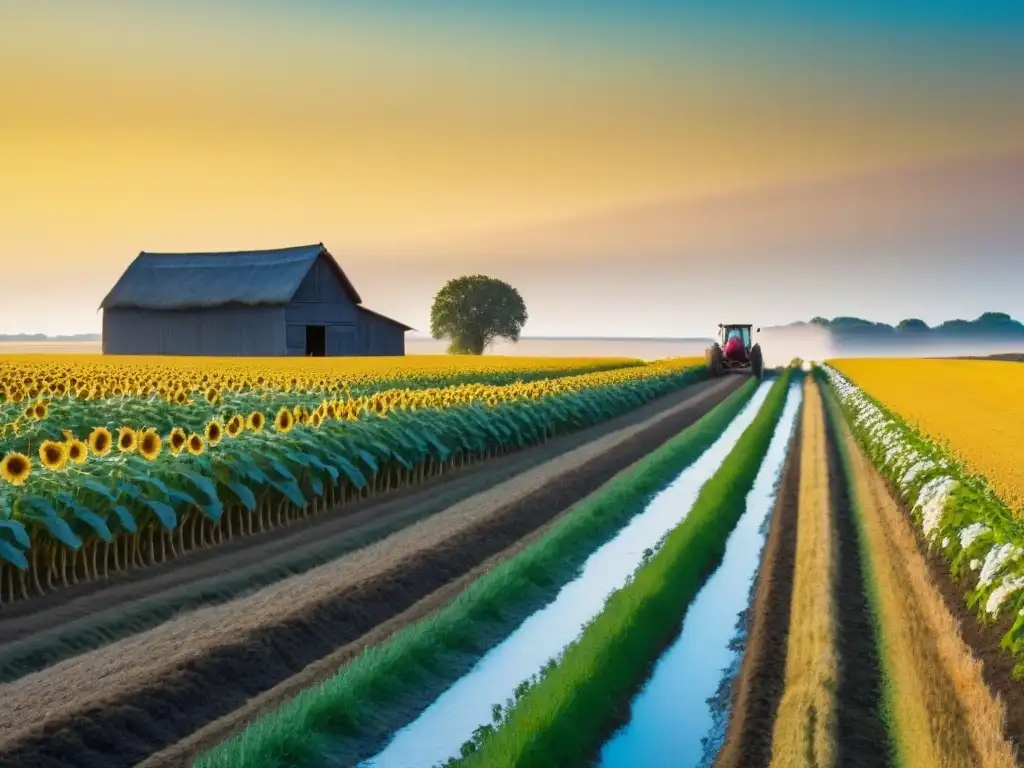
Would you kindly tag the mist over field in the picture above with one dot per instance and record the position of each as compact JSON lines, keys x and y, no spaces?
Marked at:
{"x":779,"y":344}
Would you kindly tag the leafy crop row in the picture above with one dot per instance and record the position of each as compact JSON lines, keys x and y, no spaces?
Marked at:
{"x":127,"y":511}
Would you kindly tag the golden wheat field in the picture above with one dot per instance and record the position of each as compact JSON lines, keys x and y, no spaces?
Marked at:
{"x":973,"y":408}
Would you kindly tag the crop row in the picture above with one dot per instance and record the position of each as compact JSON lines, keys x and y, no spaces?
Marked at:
{"x":123,"y":511}
{"x":85,"y":428}
{"x":387,"y":680}
{"x":26,"y":425}
{"x":185,"y":380}
{"x":956,"y":511}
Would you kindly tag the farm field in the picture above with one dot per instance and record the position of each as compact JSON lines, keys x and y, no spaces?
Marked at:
{"x":982,"y":429}
{"x":178,"y":456}
{"x":663,"y":569}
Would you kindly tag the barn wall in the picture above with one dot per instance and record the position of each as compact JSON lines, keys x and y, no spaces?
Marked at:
{"x":221,"y":331}
{"x":321,"y":300}
{"x":377,"y":336}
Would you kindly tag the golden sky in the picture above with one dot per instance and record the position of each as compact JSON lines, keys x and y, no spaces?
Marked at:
{"x":393,"y":136}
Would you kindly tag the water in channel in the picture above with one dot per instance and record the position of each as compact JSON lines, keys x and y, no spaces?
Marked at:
{"x":439,"y":732}
{"x":671,"y":715}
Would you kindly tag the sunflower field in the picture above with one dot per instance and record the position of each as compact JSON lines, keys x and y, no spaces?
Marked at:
{"x":108,"y":465}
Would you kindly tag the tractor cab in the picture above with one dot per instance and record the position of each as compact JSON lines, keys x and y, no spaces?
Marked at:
{"x":735,"y":350}
{"x":735,"y":340}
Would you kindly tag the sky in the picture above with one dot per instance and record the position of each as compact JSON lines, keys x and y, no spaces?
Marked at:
{"x":641,"y":168}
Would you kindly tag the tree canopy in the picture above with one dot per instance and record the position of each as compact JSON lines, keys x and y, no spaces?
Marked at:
{"x":475,"y":310}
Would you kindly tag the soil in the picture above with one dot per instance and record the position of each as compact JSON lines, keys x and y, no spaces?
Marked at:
{"x":759,"y":685}
{"x":184,"y":753}
{"x":862,"y":739}
{"x":983,"y":639}
{"x":120,"y":705}
{"x":362,"y":521}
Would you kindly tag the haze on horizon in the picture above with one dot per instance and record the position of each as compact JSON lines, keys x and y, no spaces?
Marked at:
{"x":635,"y":169}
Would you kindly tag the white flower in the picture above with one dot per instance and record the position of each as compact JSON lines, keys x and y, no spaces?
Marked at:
{"x":932,"y":501}
{"x":996,"y":558}
{"x":975,"y":564}
{"x":1000,"y":593}
{"x":970,"y":534}
{"x":945,"y":542}
{"x":914,"y":471}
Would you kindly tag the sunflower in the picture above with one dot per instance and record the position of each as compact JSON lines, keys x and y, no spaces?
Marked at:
{"x":53,"y":455}
{"x":214,"y":433}
{"x":235,"y":426}
{"x":196,"y":446}
{"x":314,"y":420}
{"x":100,"y":441}
{"x":256,"y":421}
{"x":15,"y":468}
{"x":78,"y":451}
{"x":284,"y":421}
{"x":127,"y":440}
{"x":150,"y":444}
{"x":177,"y":440}
{"x":332,"y":411}
{"x":40,"y":410}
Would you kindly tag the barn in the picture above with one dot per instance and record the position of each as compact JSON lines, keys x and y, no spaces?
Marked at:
{"x":288,"y":301}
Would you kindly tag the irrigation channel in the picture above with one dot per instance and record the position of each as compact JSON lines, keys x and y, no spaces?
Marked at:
{"x":672,"y":721}
{"x":441,"y":729}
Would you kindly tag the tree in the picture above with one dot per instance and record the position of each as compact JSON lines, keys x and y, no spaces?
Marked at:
{"x":475,"y":310}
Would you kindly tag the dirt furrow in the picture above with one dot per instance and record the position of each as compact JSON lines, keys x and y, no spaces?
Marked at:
{"x":941,"y":710}
{"x":804,"y":731}
{"x":40,"y":632}
{"x":121,"y":704}
{"x":183,"y":753}
{"x":863,"y":741}
{"x":758,"y":687}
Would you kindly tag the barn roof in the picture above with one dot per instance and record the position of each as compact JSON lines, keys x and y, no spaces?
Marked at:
{"x":391,"y":320}
{"x":198,"y":280}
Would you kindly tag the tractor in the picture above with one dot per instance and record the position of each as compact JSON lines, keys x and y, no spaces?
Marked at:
{"x":735,"y":351}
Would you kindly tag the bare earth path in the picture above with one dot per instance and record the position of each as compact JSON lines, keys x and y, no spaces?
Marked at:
{"x":120,"y":704}
{"x":136,"y":600}
{"x":943,"y":711}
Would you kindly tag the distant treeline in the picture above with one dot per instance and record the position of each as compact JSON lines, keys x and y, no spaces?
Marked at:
{"x":39,"y":337}
{"x":991,"y":325}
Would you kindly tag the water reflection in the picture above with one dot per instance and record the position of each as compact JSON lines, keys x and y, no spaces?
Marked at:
{"x":670,"y":716}
{"x":450,"y":720}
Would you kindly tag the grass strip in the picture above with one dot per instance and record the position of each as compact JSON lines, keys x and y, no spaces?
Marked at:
{"x":564,"y":715}
{"x":938,"y":708}
{"x":806,"y":725}
{"x":355,"y":701}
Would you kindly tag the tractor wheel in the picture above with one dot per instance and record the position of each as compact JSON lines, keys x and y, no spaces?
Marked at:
{"x":757,"y":362}
{"x":714,"y":357}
